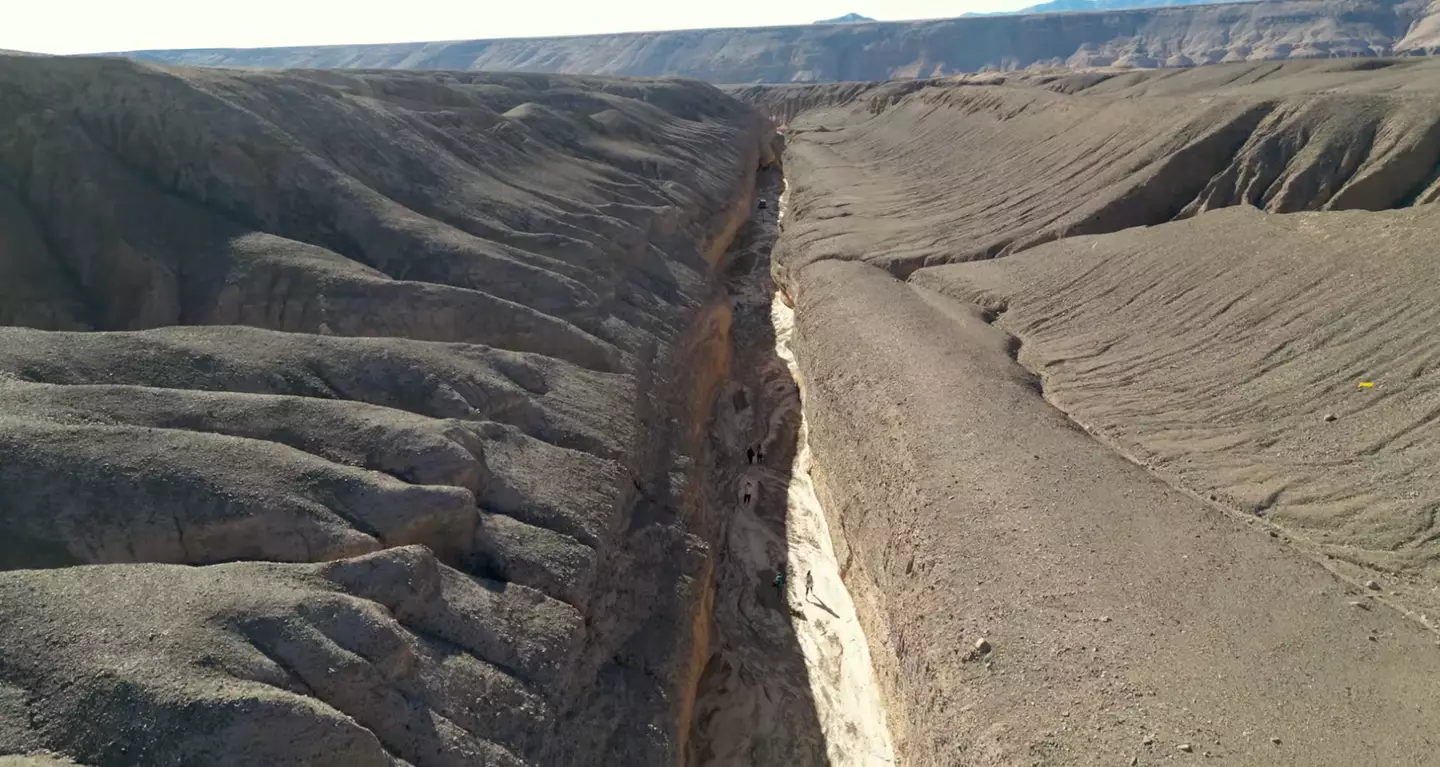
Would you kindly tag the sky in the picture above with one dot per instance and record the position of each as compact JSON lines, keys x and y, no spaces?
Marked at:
{"x":93,"y":26}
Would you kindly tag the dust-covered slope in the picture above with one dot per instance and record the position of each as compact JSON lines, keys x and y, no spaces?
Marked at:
{"x":459,"y":325}
{"x":1228,"y":353}
{"x":1032,"y":597}
{"x":958,"y":170}
{"x":1148,"y":37}
{"x":1238,"y":560}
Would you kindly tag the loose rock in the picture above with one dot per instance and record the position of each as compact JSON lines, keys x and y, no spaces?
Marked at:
{"x":1372,"y":585}
{"x":1329,"y":417}
{"x":1186,"y":747}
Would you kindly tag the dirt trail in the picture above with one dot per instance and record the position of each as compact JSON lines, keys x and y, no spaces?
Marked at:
{"x":790,"y":681}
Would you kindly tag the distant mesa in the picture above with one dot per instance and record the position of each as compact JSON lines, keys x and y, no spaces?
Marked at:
{"x":854,"y":48}
{"x":849,"y":18}
{"x":1071,"y":6}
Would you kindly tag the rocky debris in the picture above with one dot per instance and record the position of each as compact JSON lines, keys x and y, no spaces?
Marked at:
{"x":1329,"y":417}
{"x":978,"y":651}
{"x":1185,"y":748}
{"x":1372,"y":585}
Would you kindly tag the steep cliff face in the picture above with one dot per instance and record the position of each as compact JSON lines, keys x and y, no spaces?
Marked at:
{"x":1082,"y":360}
{"x":424,"y":345}
{"x":1150,"y":37}
{"x":1423,"y":35}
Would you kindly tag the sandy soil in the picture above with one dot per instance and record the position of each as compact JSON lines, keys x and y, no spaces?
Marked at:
{"x":1122,"y":618}
{"x":1236,"y":375}
{"x":791,"y":680}
{"x":1187,"y":586}
{"x":907,"y":175}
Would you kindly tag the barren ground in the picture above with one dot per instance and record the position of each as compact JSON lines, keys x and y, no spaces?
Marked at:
{"x":1109,"y":455}
{"x":358,"y":418}
{"x":447,"y":419}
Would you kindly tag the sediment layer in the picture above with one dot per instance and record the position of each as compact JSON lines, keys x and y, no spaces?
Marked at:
{"x":1177,"y":36}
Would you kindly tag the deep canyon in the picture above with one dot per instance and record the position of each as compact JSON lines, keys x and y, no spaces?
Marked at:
{"x":363,"y":417}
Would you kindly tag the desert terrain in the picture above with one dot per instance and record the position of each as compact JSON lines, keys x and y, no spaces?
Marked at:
{"x":425,"y":418}
{"x":1083,"y":359}
{"x":359,"y":418}
{"x":1142,"y":38}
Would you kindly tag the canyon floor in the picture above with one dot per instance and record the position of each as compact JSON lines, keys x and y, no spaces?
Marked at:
{"x":446,"y":418}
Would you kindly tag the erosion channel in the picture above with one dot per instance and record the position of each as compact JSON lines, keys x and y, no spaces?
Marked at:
{"x":789,"y":681}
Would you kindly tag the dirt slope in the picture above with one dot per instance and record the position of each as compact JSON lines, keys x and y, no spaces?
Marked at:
{"x":1214,"y":569}
{"x":1116,"y":609}
{"x":904,"y":176}
{"x":465,"y":328}
{"x":1213,"y":350}
{"x":1178,"y":36}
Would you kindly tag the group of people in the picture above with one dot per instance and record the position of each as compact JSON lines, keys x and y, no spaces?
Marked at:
{"x":756,"y":454}
{"x":780,"y":582}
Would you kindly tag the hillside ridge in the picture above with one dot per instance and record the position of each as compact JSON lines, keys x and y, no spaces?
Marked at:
{"x":1149,"y":37}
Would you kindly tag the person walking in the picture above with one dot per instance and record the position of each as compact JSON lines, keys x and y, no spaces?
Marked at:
{"x":780,"y":584}
{"x":809,"y":583}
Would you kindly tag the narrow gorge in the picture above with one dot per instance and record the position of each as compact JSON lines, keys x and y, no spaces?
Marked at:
{"x":789,"y":681}
{"x":417,"y":419}
{"x":402,"y":418}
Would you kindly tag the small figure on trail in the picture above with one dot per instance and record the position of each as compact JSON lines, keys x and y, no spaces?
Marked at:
{"x":780,"y":584}
{"x":809,"y":583}
{"x":746,"y":499}
{"x":749,"y":455}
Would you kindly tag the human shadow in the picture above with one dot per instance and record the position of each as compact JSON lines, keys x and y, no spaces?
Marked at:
{"x":814,"y":600}
{"x":754,"y":704}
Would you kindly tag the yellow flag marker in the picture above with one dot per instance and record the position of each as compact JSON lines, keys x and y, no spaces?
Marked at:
{"x":1367,"y":384}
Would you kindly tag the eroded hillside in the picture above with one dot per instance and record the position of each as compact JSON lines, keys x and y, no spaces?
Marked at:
{"x":447,"y":418}
{"x":971,"y":168}
{"x":1083,"y":361}
{"x":356,"y":418}
{"x":1149,"y":37}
